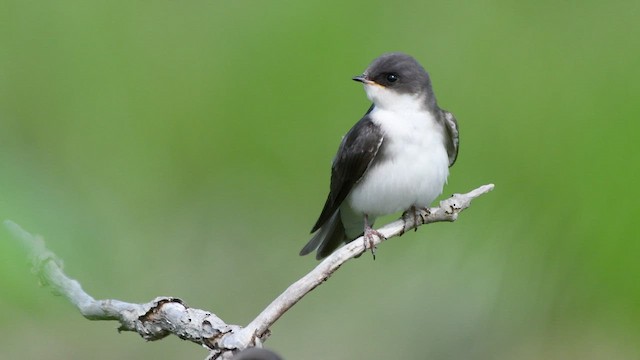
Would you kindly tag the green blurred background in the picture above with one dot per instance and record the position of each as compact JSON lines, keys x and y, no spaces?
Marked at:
{"x":183,"y":148}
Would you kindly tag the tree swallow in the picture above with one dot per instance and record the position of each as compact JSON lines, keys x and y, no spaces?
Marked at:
{"x":396,"y":158}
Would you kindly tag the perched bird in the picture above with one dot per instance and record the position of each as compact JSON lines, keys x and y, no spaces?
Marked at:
{"x":396,"y":158}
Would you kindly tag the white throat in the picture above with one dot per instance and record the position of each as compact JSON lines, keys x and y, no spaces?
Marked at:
{"x":386,"y":99}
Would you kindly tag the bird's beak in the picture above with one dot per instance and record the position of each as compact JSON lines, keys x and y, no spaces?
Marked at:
{"x":363,"y":79}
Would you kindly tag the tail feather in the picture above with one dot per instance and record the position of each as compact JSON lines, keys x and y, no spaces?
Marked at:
{"x":328,"y":237}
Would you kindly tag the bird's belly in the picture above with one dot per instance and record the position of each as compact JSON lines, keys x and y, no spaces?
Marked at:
{"x":411,"y":172}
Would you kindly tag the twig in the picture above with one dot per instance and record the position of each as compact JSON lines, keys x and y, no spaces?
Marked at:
{"x":448,"y":210}
{"x":168,"y":315}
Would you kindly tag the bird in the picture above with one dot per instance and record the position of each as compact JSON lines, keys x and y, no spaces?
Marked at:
{"x":396,"y":158}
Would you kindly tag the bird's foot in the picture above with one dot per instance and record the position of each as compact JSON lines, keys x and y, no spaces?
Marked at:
{"x":415,"y":216}
{"x":369,"y":238}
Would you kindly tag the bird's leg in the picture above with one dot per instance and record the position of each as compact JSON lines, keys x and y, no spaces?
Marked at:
{"x":369,"y":233}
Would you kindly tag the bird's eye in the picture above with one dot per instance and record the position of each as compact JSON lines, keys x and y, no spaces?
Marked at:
{"x":392,"y":78}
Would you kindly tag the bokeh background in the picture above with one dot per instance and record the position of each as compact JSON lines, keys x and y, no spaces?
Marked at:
{"x":183,"y":148}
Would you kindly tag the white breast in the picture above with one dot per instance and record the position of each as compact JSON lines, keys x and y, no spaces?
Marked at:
{"x":413,"y":165}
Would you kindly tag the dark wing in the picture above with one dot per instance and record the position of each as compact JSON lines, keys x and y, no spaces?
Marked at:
{"x":356,"y":153}
{"x":452,"y":140}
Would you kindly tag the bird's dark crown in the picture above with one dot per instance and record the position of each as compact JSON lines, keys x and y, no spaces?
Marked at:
{"x":399,"y":72}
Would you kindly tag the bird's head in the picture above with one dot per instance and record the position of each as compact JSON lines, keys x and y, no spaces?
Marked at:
{"x":395,"y":78}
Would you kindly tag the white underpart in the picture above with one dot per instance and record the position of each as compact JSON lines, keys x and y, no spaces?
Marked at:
{"x":415,"y":165}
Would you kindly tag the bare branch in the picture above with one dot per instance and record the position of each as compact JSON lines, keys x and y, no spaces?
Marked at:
{"x":168,"y":315}
{"x":153,"y":321}
{"x":447,"y":210}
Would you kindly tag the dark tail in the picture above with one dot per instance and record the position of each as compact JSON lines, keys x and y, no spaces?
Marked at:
{"x":328,"y":238}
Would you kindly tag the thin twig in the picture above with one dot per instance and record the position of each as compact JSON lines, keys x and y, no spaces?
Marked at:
{"x":447,"y":210}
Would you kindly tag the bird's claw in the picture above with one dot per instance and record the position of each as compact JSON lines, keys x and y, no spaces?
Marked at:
{"x":369,"y":240}
{"x":413,"y":213}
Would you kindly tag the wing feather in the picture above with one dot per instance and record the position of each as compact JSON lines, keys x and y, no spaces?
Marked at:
{"x":452,"y":141}
{"x":355,"y":154}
